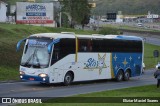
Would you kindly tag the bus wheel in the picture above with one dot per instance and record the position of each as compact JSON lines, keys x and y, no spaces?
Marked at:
{"x":119,"y":76}
{"x":126,"y":76}
{"x":68,"y":79}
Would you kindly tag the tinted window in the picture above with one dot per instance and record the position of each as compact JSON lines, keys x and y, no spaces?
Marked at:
{"x":67,"y":46}
{"x":112,"y":45}
{"x":85,"y":45}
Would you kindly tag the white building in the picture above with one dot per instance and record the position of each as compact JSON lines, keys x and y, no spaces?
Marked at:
{"x":152,"y":16}
{"x":3,"y":10}
{"x":119,"y":18}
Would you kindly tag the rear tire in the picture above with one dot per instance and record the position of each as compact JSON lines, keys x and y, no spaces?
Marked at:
{"x":126,"y":76}
{"x":119,"y":76}
{"x":68,"y":79}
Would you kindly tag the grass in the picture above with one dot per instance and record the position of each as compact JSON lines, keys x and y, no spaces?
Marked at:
{"x":10,"y":34}
{"x":143,"y":91}
{"x":149,"y":60}
{"x":134,"y":92}
{"x":131,"y":28}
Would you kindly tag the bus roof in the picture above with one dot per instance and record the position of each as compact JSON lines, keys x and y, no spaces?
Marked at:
{"x":94,"y":36}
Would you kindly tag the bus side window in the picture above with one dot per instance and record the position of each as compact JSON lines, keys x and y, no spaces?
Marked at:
{"x":98,"y":45}
{"x":85,"y":45}
{"x":84,"y":48}
{"x":55,"y":57}
{"x":90,"y":45}
{"x":55,"y":54}
{"x":67,"y":46}
{"x":82,"y":45}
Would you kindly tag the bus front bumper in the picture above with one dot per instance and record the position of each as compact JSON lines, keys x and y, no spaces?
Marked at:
{"x":35,"y":78}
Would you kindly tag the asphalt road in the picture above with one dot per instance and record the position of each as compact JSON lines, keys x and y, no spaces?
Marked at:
{"x":151,"y":39}
{"x":32,"y":89}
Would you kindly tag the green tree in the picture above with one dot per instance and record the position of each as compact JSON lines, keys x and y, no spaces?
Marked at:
{"x":76,"y":10}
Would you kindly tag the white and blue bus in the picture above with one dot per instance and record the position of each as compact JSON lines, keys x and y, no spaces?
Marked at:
{"x":66,"y":57}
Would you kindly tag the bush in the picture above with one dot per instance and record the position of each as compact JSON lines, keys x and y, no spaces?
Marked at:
{"x":109,"y":30}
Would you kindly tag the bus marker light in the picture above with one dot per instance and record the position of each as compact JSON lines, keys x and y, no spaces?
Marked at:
{"x":44,"y":79}
{"x":21,"y":76}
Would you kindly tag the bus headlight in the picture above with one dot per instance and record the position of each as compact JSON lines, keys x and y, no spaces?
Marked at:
{"x":42,"y":75}
{"x":21,"y":73}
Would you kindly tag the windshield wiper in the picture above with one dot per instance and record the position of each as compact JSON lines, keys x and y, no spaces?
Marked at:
{"x":29,"y":59}
{"x":34,"y":55}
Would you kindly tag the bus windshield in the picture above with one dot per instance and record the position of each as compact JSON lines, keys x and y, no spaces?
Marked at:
{"x":36,"y":54}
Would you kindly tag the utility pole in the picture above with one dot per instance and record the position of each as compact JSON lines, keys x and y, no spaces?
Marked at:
{"x":60,"y":19}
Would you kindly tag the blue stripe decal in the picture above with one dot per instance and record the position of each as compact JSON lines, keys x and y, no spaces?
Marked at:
{"x":19,"y":44}
{"x":128,"y":38}
{"x":126,"y":61}
{"x":52,"y":43}
{"x":35,"y":78}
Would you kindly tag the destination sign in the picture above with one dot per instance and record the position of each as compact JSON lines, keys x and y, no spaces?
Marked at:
{"x":33,"y":42}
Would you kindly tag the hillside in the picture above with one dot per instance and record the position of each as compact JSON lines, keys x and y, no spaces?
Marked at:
{"x":127,"y":6}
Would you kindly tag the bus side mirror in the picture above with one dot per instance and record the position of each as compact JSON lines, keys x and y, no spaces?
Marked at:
{"x":19,"y":44}
{"x":51,"y":45}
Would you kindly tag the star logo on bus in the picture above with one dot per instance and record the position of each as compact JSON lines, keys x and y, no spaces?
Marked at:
{"x":101,"y":61}
{"x":115,"y":57}
{"x":125,"y":62}
{"x":116,"y":67}
{"x":130,"y":58}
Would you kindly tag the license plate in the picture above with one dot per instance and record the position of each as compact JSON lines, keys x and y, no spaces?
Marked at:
{"x":31,"y":79}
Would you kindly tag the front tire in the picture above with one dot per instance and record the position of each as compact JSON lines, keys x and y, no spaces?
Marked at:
{"x":126,"y":76}
{"x":68,"y":79}
{"x":119,"y":76}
